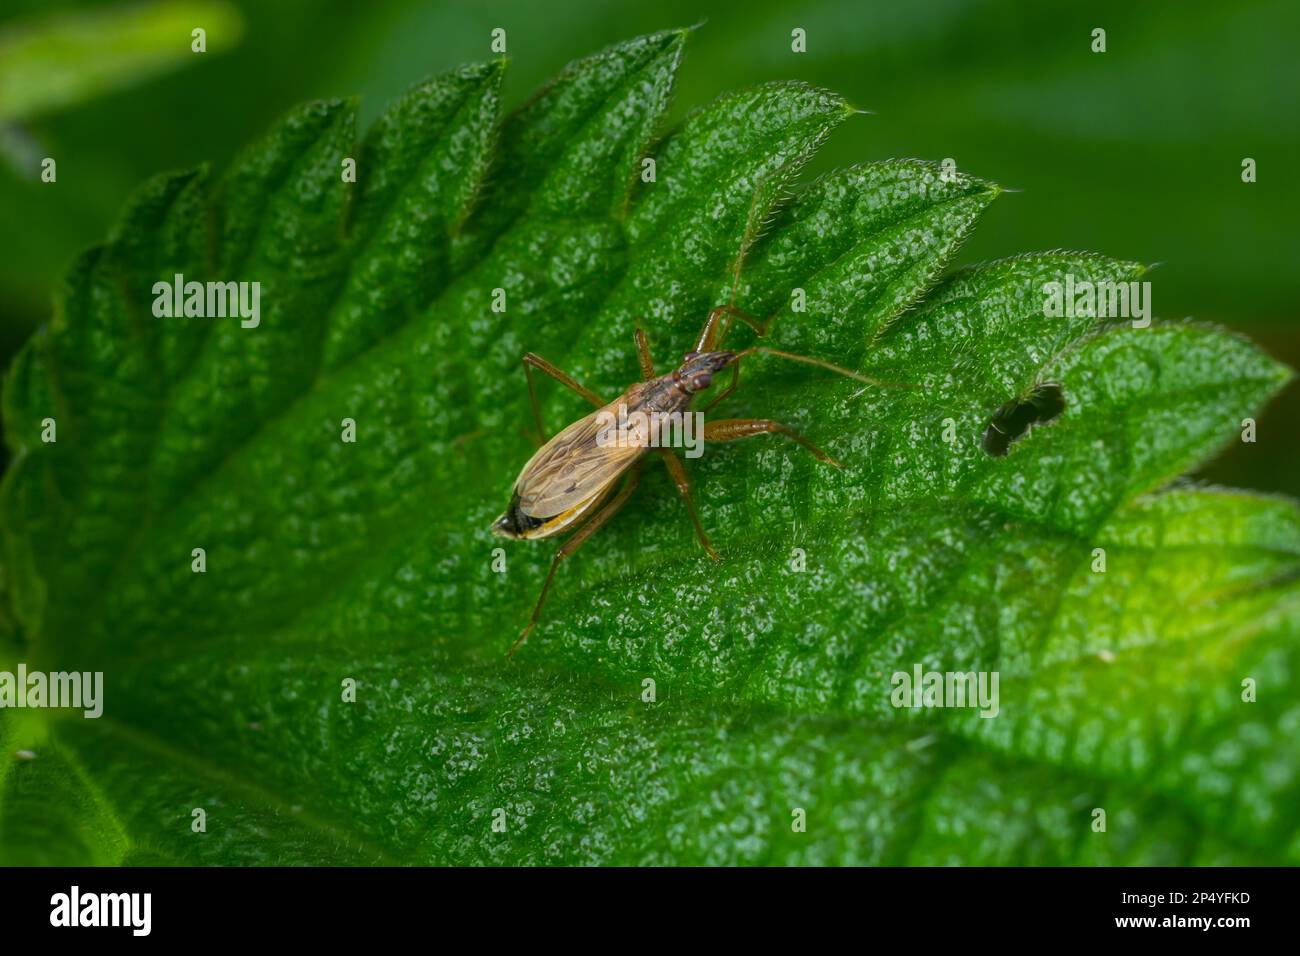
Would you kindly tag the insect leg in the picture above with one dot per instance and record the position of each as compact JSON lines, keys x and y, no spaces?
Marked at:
{"x":678,"y":472}
{"x":716,"y":325}
{"x":534,"y":361}
{"x":574,"y":543}
{"x":734,"y":429}
{"x":731,"y":387}
{"x":675,"y":467}
{"x":643,"y":356}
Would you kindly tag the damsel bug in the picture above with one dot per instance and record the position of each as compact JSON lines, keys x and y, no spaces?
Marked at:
{"x":568,"y":483}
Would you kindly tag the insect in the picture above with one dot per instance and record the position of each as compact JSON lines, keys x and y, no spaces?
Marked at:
{"x":569,"y":483}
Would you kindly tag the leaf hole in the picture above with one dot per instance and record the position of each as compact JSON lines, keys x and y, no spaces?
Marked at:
{"x":1040,"y":405}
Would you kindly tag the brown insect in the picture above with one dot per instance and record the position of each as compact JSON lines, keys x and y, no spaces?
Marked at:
{"x":569,"y":482}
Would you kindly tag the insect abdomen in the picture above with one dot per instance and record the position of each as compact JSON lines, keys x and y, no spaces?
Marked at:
{"x":514,"y":523}
{"x":517,"y":523}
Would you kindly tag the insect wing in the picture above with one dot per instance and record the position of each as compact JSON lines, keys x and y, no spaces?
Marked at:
{"x":576,"y":464}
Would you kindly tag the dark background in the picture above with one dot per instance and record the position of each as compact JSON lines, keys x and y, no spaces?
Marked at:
{"x":1135,"y":152}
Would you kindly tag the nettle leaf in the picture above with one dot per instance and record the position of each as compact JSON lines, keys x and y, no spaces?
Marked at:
{"x":327,"y":561}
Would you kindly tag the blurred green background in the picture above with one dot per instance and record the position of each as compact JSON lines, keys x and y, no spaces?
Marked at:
{"x":1135,"y":152}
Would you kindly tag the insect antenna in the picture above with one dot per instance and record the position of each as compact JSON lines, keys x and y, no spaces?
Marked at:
{"x":820,"y":363}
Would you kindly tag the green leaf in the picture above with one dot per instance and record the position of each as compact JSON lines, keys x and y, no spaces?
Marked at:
{"x":773,"y":669}
{"x":55,"y":61}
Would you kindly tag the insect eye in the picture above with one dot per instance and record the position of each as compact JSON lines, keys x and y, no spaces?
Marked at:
{"x":704,"y":380}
